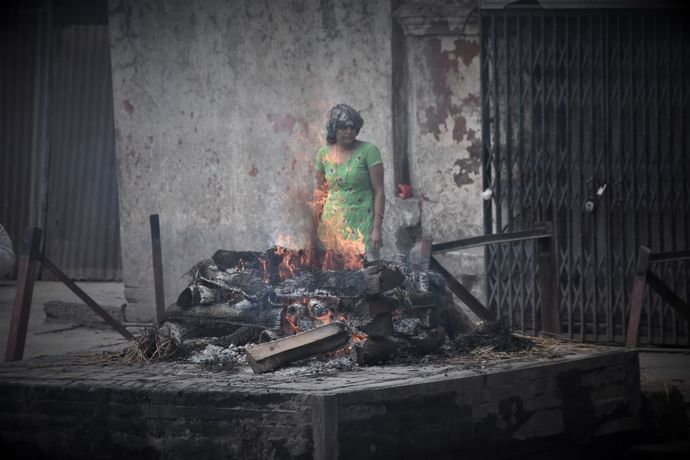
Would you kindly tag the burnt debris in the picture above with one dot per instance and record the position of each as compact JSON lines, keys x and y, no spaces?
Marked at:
{"x":282,"y":305}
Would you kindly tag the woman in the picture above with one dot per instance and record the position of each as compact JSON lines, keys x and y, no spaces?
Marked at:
{"x":349,"y":179}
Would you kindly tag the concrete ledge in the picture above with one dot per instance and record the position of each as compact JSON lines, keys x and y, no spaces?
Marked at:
{"x":76,"y":407}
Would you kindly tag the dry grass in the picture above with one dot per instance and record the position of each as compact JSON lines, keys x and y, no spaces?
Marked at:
{"x":149,"y":346}
{"x":496,"y":342}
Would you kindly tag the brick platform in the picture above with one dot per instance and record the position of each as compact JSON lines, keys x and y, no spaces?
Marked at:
{"x":76,"y":407}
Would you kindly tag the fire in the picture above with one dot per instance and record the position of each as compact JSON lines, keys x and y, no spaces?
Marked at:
{"x":292,"y":259}
{"x":292,"y":324}
{"x":358,"y":337}
{"x":342,"y":252}
{"x":289,"y":265}
{"x":264,"y":269}
{"x":329,"y":317}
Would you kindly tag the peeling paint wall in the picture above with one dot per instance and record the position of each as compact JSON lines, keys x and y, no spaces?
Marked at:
{"x":219,"y":110}
{"x":445,"y":150}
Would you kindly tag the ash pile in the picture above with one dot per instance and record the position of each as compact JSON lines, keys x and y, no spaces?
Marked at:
{"x":280,"y":306}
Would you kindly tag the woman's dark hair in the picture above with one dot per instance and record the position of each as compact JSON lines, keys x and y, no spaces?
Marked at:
{"x":338,"y":117}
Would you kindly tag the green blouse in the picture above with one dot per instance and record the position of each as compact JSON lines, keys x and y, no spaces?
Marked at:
{"x":349,"y":207}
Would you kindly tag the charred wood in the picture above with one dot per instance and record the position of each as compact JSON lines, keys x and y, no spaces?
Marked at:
{"x":238,"y":314}
{"x":428,"y":317}
{"x":377,"y":305}
{"x":200,"y":294}
{"x":428,"y":340}
{"x":406,"y":326}
{"x":249,"y":260}
{"x":379,"y":326}
{"x":207,"y":276}
{"x":243,"y":336}
{"x":345,"y":283}
{"x":271,"y":355}
{"x":373,"y":350}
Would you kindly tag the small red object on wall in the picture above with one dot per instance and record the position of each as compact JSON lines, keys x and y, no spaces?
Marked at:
{"x":404,"y":191}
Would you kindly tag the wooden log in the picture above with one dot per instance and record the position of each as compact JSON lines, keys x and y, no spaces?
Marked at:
{"x":242,"y":336}
{"x":376,"y":305}
{"x":236,"y":259}
{"x":373,"y":350}
{"x":241,"y":313}
{"x":406,"y":326}
{"x":201,"y":294}
{"x":428,"y":316}
{"x":428,"y":299}
{"x":428,"y":340}
{"x":378,"y":326}
{"x":383,"y":278}
{"x":368,"y":281}
{"x":271,"y":355}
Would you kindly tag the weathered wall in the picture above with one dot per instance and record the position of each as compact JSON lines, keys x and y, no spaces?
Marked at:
{"x":219,"y":109}
{"x":444,"y":142}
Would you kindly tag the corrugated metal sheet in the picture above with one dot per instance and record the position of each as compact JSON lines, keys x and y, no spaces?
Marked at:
{"x":82,"y":225}
{"x":57,"y":156}
{"x":22,"y":99}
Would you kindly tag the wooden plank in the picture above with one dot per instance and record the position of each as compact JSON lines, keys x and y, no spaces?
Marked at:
{"x":157,"y":267}
{"x":636,"y":296}
{"x":539,"y":232}
{"x":85,"y":297}
{"x":271,"y":355}
{"x":666,"y":293}
{"x":26,"y":275}
{"x":461,"y":291}
{"x":548,"y":285}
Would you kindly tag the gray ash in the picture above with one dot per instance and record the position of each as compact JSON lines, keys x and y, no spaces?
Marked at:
{"x":497,"y":335}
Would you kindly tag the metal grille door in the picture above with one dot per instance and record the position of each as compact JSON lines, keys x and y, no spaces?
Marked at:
{"x":585,"y":122}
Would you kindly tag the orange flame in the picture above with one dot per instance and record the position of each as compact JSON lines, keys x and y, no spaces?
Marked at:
{"x":358,"y":337}
{"x":292,"y":259}
{"x":326,"y":318}
{"x":264,"y":269}
{"x":292,"y":323}
{"x":344,"y":250}
{"x":329,"y":317}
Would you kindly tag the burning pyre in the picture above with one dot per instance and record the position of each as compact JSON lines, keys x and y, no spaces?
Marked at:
{"x":284,"y":305}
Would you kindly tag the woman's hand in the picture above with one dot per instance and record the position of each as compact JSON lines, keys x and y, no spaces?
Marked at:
{"x":376,"y":238}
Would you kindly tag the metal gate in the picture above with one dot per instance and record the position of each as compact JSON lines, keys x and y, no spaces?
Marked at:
{"x":585,"y":122}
